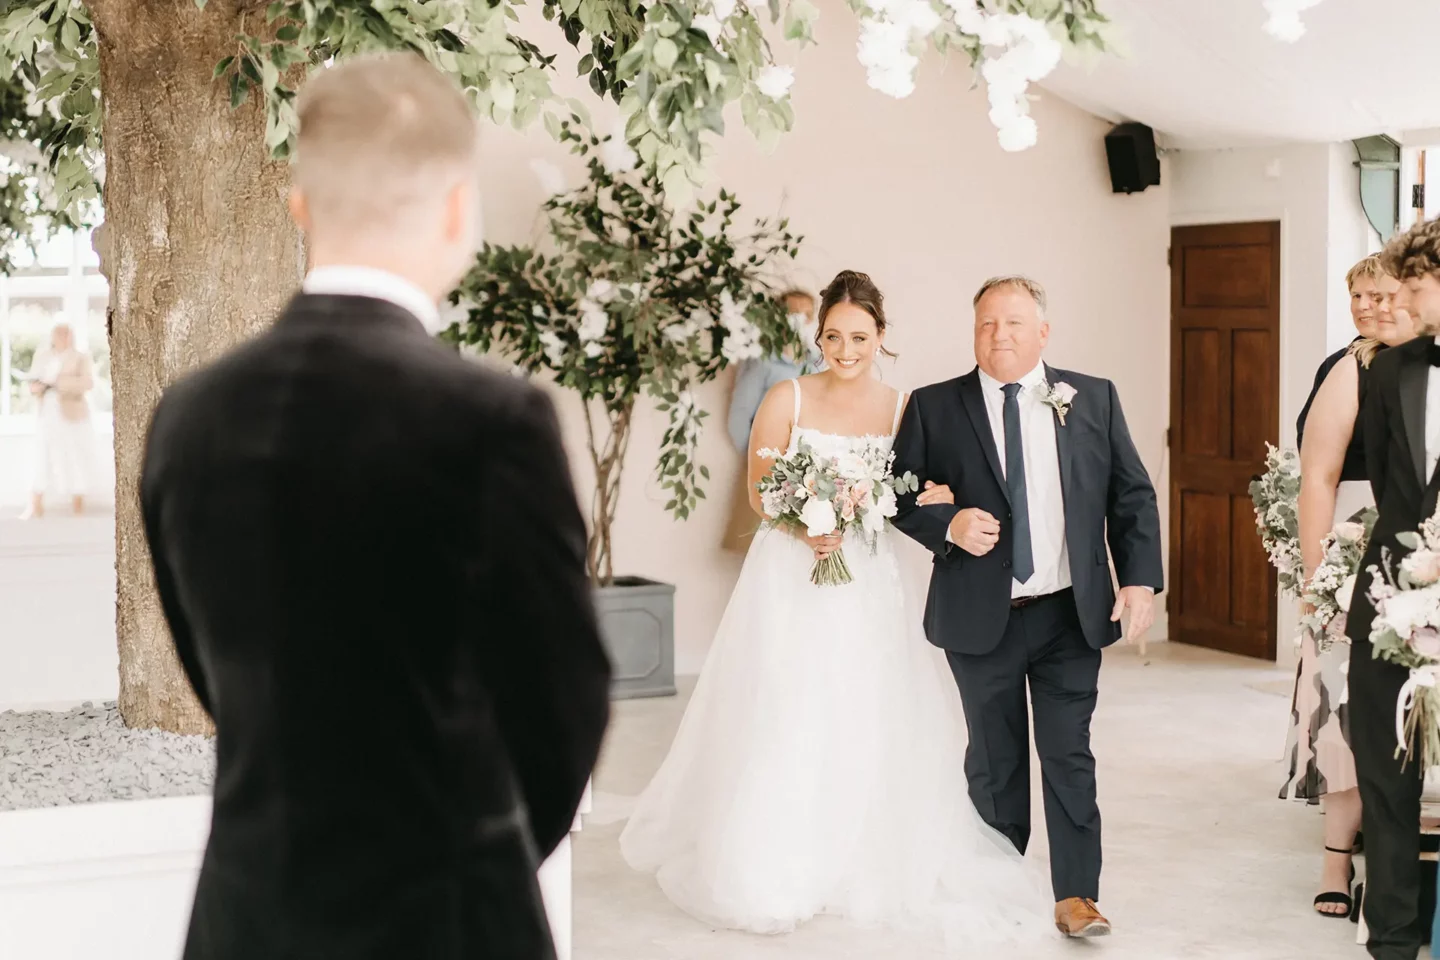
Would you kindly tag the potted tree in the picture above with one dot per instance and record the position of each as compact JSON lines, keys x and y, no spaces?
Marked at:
{"x":628,"y":298}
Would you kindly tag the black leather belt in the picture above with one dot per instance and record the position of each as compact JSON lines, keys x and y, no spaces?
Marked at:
{"x":1020,"y":603}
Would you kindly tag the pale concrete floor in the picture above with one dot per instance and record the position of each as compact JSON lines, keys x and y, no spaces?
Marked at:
{"x":1202,"y":860}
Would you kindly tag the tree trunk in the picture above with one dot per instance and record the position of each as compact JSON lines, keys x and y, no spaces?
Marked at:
{"x":202,"y":254}
{"x":607,"y":456}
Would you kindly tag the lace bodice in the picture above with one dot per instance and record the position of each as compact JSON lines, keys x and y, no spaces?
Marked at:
{"x":836,"y":444}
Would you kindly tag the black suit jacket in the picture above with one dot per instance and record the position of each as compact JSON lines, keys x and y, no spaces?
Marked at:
{"x":371,"y":560}
{"x":945,"y":436}
{"x":1392,"y":414}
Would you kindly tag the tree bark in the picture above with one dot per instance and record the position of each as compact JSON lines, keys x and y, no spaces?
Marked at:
{"x":201,"y":253}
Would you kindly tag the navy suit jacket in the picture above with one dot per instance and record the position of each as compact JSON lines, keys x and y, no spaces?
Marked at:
{"x":945,"y":436}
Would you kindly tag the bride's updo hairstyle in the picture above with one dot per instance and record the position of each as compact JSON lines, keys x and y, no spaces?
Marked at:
{"x":850,"y":286}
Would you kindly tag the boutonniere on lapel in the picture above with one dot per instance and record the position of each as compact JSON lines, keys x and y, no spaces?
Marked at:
{"x":1057,"y":396}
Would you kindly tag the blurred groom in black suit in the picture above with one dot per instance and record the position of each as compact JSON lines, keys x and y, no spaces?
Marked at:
{"x":1399,"y":413}
{"x":372,"y":563}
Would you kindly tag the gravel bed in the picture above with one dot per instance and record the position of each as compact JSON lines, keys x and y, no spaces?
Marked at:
{"x":51,"y":758}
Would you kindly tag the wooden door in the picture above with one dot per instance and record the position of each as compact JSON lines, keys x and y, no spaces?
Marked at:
{"x":1224,"y":407}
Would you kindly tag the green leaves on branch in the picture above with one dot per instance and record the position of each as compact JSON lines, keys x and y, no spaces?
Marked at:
{"x":49,"y":99}
{"x":504,"y":76}
{"x":632,"y":297}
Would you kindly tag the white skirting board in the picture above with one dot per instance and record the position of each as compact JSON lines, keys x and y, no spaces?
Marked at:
{"x":116,"y":880}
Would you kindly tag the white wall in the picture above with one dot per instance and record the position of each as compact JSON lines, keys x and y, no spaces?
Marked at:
{"x":57,"y":612}
{"x":918,"y":194}
{"x":1313,"y":190}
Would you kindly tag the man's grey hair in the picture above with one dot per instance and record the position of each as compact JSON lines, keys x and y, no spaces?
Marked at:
{"x":1018,"y":280}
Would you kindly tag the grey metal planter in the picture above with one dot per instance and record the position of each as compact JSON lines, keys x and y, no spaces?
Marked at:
{"x":637,"y":624}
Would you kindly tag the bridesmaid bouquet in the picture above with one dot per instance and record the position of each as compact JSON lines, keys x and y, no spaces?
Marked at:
{"x":826,"y":495}
{"x":1276,"y":493}
{"x":1406,"y":632}
{"x":1333,"y":583}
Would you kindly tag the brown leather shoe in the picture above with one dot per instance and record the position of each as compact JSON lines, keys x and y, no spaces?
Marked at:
{"x":1079,"y":917}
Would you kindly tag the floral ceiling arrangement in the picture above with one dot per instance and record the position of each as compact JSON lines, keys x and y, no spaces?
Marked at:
{"x":672,"y":66}
{"x":1011,"y":49}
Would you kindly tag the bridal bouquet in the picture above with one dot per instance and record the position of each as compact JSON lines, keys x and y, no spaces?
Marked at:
{"x":1275,"y":494}
{"x":1406,"y":632}
{"x":827,"y":495}
{"x":1333,"y":583}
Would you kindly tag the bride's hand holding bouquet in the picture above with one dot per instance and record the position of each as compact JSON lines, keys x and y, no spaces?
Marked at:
{"x":830,"y":497}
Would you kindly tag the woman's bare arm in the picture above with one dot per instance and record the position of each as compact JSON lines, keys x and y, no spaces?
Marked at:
{"x":770,"y":431}
{"x":1328,"y":431}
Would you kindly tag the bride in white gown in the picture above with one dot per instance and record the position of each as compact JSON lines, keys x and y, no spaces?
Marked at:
{"x":819,"y":766}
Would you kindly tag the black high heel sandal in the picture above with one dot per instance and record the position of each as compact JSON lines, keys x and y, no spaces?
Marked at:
{"x":1343,"y":899}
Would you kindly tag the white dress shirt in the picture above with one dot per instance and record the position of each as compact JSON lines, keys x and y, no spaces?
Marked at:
{"x":1044,"y":496}
{"x":377,"y":284}
{"x":1432,"y":422}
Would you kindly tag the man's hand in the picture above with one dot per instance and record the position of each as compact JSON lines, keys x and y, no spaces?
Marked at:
{"x":1141,"y":602}
{"x":975,"y":531}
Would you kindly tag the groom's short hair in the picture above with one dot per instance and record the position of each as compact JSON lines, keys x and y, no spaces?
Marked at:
{"x":1019,"y":281}
{"x":1414,"y":253}
{"x":382,"y":139}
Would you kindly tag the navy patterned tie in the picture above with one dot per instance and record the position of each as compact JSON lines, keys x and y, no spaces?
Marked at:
{"x":1023,"y":557}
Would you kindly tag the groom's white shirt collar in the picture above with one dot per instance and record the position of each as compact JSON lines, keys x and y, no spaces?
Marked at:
{"x":348,"y":281}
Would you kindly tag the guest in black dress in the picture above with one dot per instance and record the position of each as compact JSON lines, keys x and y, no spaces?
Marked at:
{"x":1334,"y":486}
{"x":1363,"y":280}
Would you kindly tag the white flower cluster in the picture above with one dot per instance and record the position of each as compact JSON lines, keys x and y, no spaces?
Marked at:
{"x":1332,"y":585}
{"x":616,"y":155}
{"x":1275,"y":494}
{"x":890,"y":34}
{"x":22,"y":153}
{"x":775,"y":81}
{"x":691,"y":327}
{"x":742,"y":338}
{"x":712,"y":24}
{"x":594,"y":321}
{"x":888,"y":37}
{"x":1284,"y":21}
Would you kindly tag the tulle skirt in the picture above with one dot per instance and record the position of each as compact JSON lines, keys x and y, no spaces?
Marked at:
{"x":819,"y":769}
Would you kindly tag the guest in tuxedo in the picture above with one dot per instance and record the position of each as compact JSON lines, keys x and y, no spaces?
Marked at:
{"x":1031,"y":472}
{"x":1400,"y":415}
{"x":372,"y":562}
{"x":753,"y":381}
{"x":1364,"y":281}
{"x":1334,"y":486}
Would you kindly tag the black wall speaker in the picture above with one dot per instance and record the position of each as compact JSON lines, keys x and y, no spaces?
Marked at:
{"x":1134,"y":164}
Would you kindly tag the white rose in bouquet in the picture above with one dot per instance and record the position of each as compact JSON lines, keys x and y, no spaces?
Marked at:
{"x":885,"y":507}
{"x":1422,"y":567}
{"x":819,"y":517}
{"x":1408,"y":610}
{"x":1344,"y":593}
{"x":852,"y":467}
{"x":1350,"y":531}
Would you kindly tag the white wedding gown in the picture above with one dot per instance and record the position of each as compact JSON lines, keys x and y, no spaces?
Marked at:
{"x":819,"y":766}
